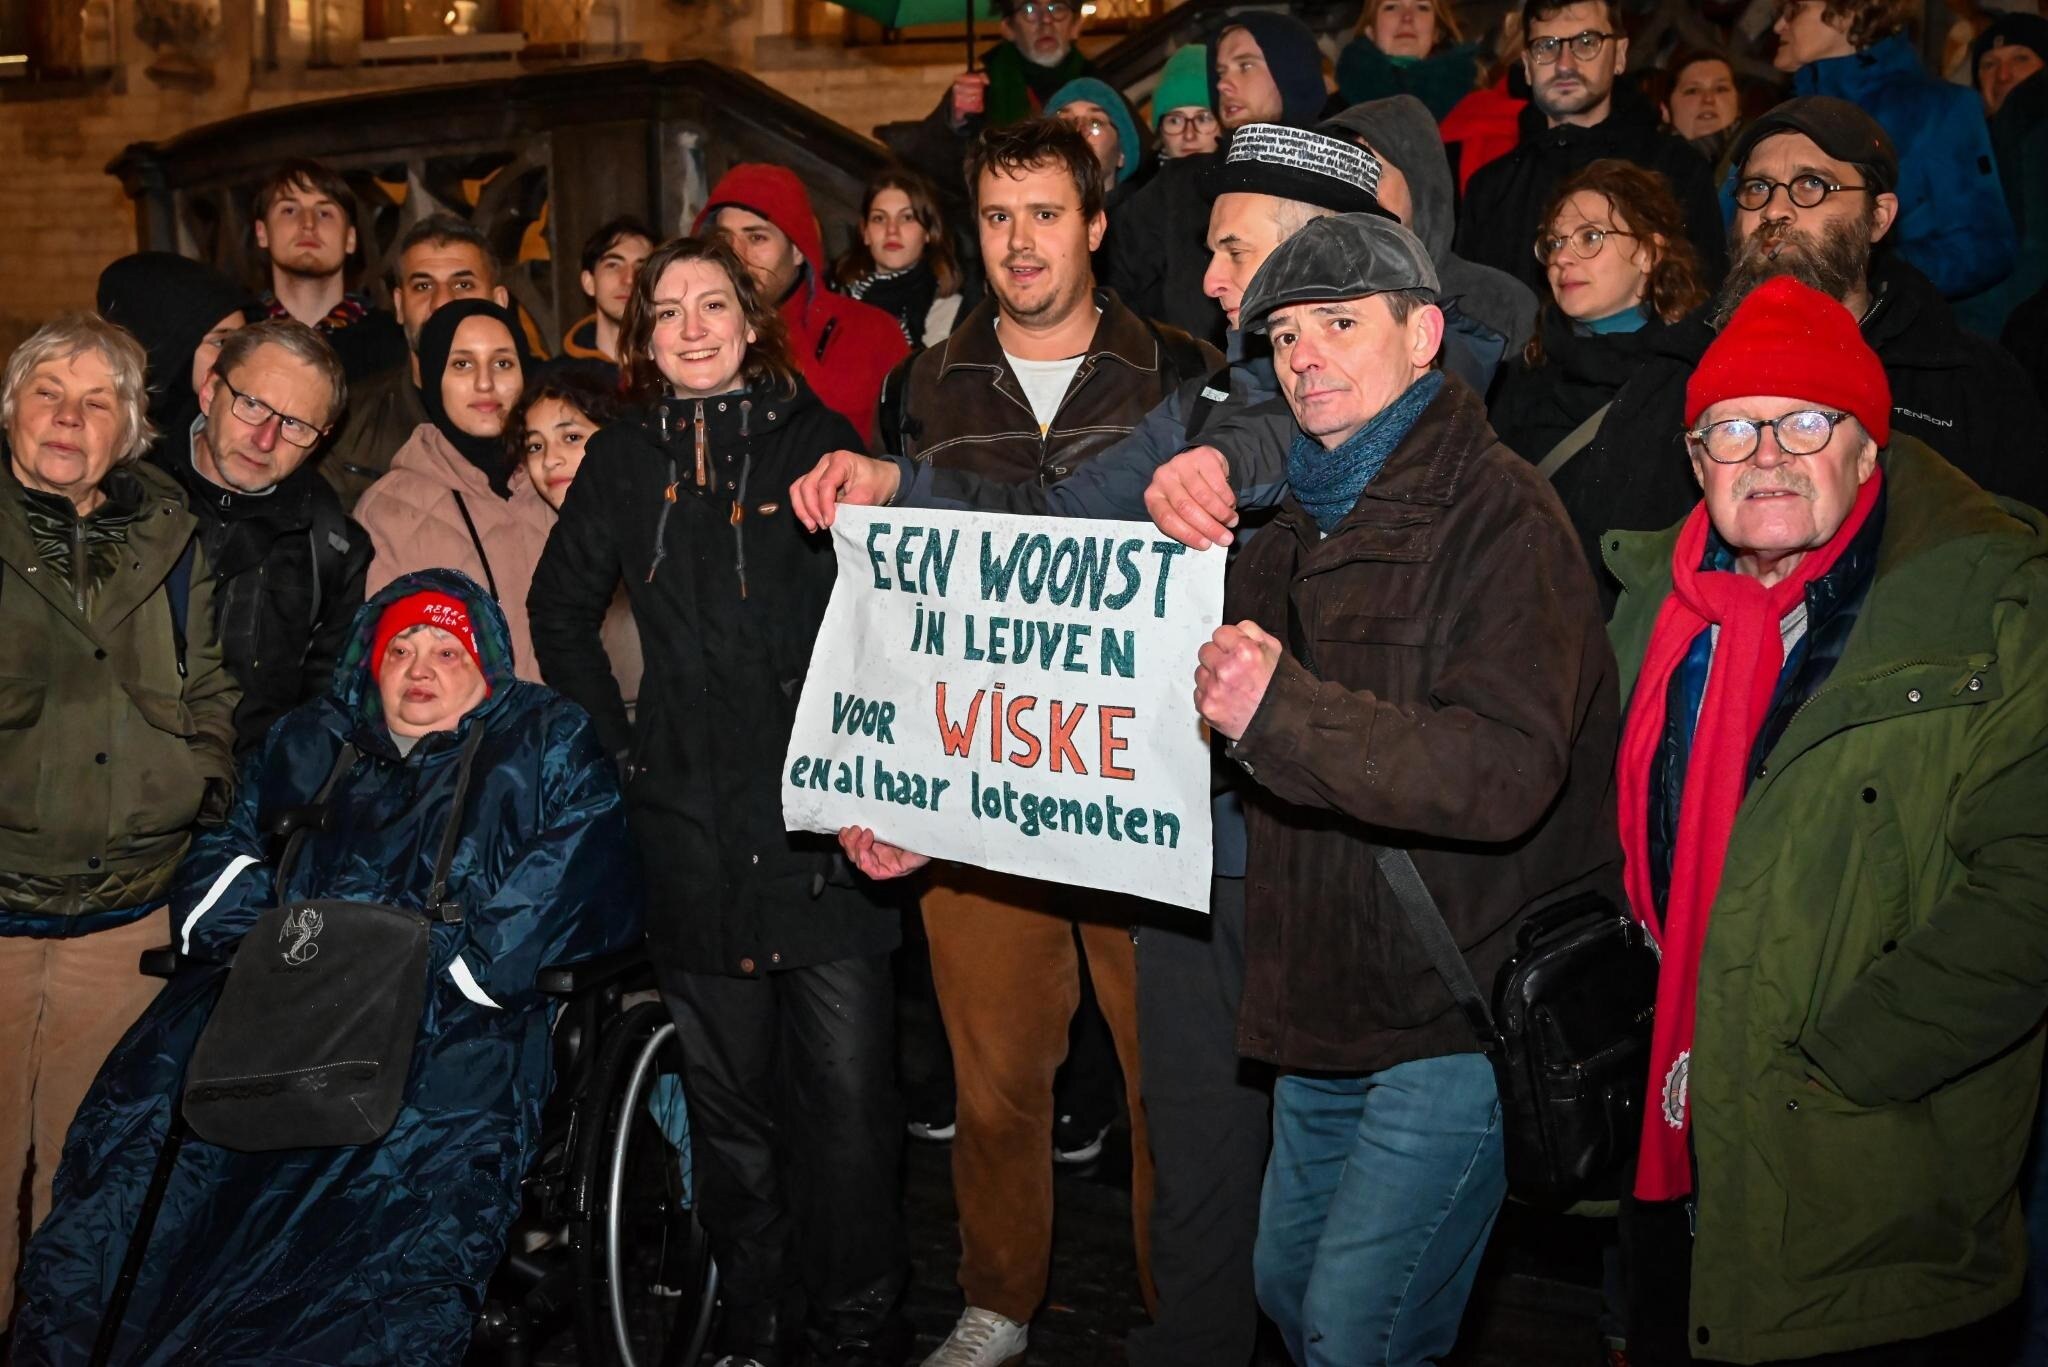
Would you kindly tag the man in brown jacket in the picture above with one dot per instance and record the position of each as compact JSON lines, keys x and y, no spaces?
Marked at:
{"x":1417,"y":661}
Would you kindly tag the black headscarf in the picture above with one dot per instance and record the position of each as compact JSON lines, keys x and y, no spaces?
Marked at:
{"x":170,"y":302}
{"x":437,"y":339}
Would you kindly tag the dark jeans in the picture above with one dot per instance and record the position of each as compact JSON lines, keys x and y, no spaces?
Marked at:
{"x":1656,"y":1254}
{"x":1211,"y":1124}
{"x":796,"y":1134}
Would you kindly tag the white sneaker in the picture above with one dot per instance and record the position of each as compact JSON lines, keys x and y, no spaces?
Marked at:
{"x":982,"y":1338}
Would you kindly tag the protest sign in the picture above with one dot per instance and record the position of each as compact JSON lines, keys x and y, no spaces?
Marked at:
{"x":1015,"y":693}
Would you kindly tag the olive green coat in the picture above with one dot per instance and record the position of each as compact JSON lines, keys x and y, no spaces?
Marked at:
{"x":105,"y":751}
{"x":1867,"y":1050}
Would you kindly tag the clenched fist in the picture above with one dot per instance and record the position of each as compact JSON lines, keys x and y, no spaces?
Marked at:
{"x":1232,"y":674}
{"x":1191,"y":499}
{"x":841,"y":477}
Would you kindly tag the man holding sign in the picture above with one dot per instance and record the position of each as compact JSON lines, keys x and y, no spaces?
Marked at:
{"x":1417,"y":661}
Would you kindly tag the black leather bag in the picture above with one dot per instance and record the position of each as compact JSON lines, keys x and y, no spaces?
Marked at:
{"x":311,"y":1042}
{"x":1568,"y":1033}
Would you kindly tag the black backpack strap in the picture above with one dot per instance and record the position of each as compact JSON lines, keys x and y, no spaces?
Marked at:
{"x":461,"y":506}
{"x":178,"y":590}
{"x":1214,"y":390}
{"x":1180,"y":356}
{"x":328,"y":539}
{"x":438,"y":905}
{"x":895,"y":422}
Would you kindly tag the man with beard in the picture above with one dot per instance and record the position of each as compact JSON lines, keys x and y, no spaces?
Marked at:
{"x":305,"y":223}
{"x":1578,"y":113}
{"x":1046,"y":373}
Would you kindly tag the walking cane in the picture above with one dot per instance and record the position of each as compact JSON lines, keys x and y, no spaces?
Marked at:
{"x":138,"y":1242}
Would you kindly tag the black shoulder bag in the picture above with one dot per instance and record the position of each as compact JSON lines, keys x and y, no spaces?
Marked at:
{"x":312,"y":1039}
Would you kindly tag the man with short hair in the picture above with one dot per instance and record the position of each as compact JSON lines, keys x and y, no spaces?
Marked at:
{"x":305,"y":223}
{"x":1831,"y":782}
{"x":1043,"y":376}
{"x":611,"y":259}
{"x":287,"y":564}
{"x":845,"y":347}
{"x":439,"y":260}
{"x":1414,"y":659}
{"x":1579,"y":112}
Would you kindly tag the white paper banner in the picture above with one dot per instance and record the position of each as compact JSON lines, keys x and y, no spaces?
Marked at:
{"x":1016,"y":693}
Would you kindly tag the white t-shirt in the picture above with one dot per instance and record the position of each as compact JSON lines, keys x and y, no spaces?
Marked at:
{"x":1044,"y":384}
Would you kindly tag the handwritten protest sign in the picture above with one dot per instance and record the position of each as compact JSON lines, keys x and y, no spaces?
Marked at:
{"x":1015,"y":693}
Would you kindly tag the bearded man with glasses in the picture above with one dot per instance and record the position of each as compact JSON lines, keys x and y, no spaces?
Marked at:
{"x":1833,"y":764}
{"x":1579,"y":112}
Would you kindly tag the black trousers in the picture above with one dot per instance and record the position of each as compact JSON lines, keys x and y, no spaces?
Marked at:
{"x":796,"y":1131}
{"x":1211,"y":1122}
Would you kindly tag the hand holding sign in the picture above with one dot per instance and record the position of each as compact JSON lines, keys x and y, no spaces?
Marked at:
{"x":1230,"y":681}
{"x":841,"y":477}
{"x":1191,"y":500}
{"x":878,"y":859}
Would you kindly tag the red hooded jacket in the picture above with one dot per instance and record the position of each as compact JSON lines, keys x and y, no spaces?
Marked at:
{"x":846,"y":348}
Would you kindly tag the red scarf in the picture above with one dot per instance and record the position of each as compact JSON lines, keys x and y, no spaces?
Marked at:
{"x":1748,"y":658}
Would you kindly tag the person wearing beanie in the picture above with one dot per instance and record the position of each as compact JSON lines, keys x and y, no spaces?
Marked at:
{"x":1834,"y":753}
{"x":1181,"y":113}
{"x":845,"y":347}
{"x":1409,"y":47}
{"x":1103,"y":117}
{"x":180,"y":310}
{"x":2008,"y":58}
{"x":1580,"y":111}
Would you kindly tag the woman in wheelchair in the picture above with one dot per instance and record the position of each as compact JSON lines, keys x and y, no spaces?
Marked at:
{"x":435,"y":791}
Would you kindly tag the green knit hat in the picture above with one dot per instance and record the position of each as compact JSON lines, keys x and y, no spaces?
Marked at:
{"x":1183,"y":82}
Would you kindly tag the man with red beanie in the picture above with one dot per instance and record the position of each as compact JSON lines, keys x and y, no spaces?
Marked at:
{"x":1831,"y":786}
{"x":846,"y":348}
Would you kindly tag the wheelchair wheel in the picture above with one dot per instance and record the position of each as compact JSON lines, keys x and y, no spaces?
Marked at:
{"x":647,"y":1284}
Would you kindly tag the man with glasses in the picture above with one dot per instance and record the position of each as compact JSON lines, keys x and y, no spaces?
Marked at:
{"x":1579,"y":112}
{"x":1017,"y":76}
{"x":1830,"y":780}
{"x":287,"y":564}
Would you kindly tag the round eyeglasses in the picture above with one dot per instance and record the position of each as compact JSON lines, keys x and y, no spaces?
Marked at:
{"x":1806,"y":192}
{"x":1044,"y":11}
{"x":1586,"y":242}
{"x":1732,"y":441}
{"x":1201,"y":121}
{"x":1585,"y":46}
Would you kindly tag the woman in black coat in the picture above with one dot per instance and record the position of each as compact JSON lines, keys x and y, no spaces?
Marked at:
{"x":1620,"y":269}
{"x":773,"y":957}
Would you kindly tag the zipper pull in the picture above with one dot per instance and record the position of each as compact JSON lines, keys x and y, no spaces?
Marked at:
{"x":703,"y":449}
{"x":738,"y":512}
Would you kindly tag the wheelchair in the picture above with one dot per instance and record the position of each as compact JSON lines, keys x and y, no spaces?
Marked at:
{"x":607,"y":1244}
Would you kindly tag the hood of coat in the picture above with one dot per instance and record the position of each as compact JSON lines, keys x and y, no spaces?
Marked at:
{"x":1292,"y":56}
{"x":1861,"y":77}
{"x":354,"y":688}
{"x":775,"y":193}
{"x":169,"y":302}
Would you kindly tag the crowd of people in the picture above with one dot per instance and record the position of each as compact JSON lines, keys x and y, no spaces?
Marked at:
{"x":1631,"y":491}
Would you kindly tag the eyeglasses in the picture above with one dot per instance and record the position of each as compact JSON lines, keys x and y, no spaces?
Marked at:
{"x":1734,"y":440}
{"x":1585,"y":46}
{"x":255,"y":412}
{"x":1201,"y":121}
{"x":1045,"y":11}
{"x":1586,"y":242}
{"x":1090,"y":127}
{"x":1806,"y":192}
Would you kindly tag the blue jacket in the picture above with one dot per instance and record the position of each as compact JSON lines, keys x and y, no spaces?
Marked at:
{"x":373,"y":1254}
{"x":1953,"y":223}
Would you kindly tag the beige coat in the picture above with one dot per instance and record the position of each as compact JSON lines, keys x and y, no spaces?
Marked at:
{"x":414,"y":524}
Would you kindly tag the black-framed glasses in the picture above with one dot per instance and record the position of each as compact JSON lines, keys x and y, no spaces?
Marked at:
{"x":1805,"y":192}
{"x":1732,"y":441}
{"x":1585,"y":46}
{"x":1584,"y":240}
{"x":1201,"y":120}
{"x":1045,"y":11}
{"x":255,"y":412}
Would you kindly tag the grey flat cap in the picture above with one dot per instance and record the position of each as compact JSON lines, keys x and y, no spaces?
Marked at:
{"x":1345,"y":257}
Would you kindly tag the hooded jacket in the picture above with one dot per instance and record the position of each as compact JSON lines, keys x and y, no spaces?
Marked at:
{"x":844,"y":347}
{"x":1112,"y":103}
{"x":374,"y":1254}
{"x":1497,"y":226}
{"x":1401,"y":132}
{"x":170,"y":302}
{"x":729,"y":591}
{"x":1953,"y":225}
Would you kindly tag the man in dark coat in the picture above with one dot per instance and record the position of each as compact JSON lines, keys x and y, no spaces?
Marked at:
{"x":1414,"y":659}
{"x":1579,"y":112}
{"x":305,"y":225}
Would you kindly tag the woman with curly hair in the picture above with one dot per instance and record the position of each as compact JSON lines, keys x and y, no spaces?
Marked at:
{"x":1619,"y":268}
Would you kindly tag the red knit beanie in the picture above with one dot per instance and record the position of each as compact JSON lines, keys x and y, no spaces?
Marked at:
{"x":1791,"y":340}
{"x":424,"y":609}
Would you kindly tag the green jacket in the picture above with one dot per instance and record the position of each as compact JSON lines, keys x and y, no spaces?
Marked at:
{"x":105,"y":752}
{"x":1867,"y":1051}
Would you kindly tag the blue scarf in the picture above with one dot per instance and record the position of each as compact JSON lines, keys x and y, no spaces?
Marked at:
{"x":1634,"y":318}
{"x":1328,"y":483}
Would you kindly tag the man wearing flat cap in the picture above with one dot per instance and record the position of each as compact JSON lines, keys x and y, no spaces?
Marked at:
{"x":1416,"y":660}
{"x":1832,"y":783}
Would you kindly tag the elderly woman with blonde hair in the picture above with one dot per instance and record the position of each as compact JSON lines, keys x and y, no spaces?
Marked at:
{"x":116,"y":726}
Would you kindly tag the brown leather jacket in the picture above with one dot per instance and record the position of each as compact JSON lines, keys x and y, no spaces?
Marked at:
{"x":1462,"y":705}
{"x":961,"y":407}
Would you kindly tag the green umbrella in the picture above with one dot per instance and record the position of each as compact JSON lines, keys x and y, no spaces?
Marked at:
{"x":911,"y":13}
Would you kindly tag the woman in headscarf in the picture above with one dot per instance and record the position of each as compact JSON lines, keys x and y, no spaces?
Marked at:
{"x":372,"y":1253}
{"x":772,"y":956}
{"x":180,"y":310}
{"x":453,"y":498}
